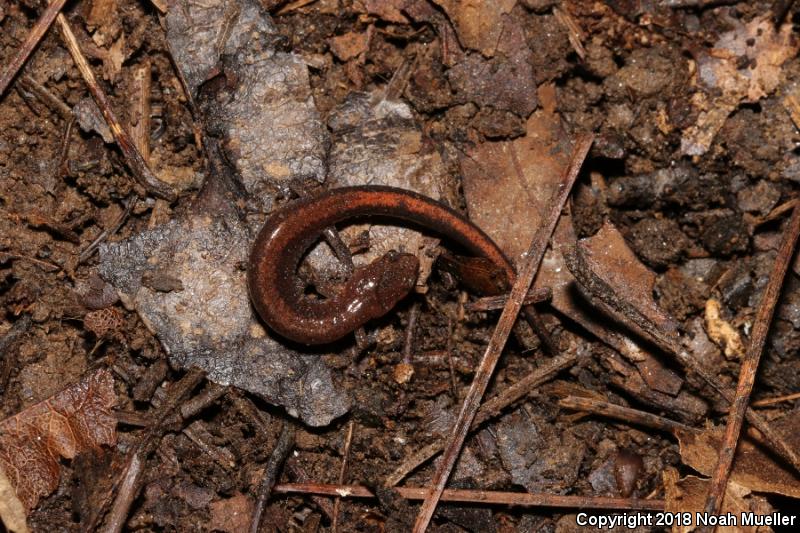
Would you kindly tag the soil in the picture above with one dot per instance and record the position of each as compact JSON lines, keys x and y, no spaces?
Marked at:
{"x":701,"y":222}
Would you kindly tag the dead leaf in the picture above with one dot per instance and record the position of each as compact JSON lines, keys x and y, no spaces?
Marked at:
{"x":231,"y":514}
{"x":688,"y":495}
{"x":609,"y":256}
{"x":743,"y":67}
{"x":388,"y":10}
{"x":479,"y":24}
{"x":507,"y":186}
{"x":505,"y":82}
{"x":32,"y":441}
{"x":752,"y":468}
{"x":350,"y":45}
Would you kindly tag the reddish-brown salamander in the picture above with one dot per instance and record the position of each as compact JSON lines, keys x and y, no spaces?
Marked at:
{"x":278,"y":294}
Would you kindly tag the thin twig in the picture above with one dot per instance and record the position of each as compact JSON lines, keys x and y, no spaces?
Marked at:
{"x":342,"y":472}
{"x":30,"y":43}
{"x":87,"y":252}
{"x":778,"y":399}
{"x":523,"y":499}
{"x":504,"y":325}
{"x":747,"y":374}
{"x":626,"y":414}
{"x":141,"y":172}
{"x":46,"y":97}
{"x":490,"y":303}
{"x":272,"y":471}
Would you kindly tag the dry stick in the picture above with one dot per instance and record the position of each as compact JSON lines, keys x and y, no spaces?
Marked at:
{"x":87,"y":252}
{"x":626,"y":414}
{"x":46,"y":97}
{"x":30,"y":43}
{"x":778,"y":399}
{"x":140,"y":120}
{"x":141,"y":172}
{"x":747,"y":374}
{"x":276,"y":459}
{"x":523,"y":499}
{"x":490,"y":303}
{"x":504,"y":325}
{"x":605,"y":297}
{"x":488,"y":410}
{"x":342,"y":472}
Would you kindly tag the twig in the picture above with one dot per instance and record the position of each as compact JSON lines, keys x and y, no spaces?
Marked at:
{"x":49,"y":99}
{"x":141,"y":172}
{"x":778,"y":399}
{"x":140,"y":114}
{"x":626,"y":414}
{"x":522,"y":499}
{"x":279,"y":454}
{"x":747,"y":374}
{"x":490,"y":303}
{"x":488,"y":410}
{"x":45,"y":265}
{"x":504,"y":325}
{"x":342,"y":472}
{"x":87,"y":252}
{"x":30,"y":43}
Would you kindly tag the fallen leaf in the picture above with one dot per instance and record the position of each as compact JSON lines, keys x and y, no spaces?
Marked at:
{"x":350,"y":45}
{"x":388,"y":10}
{"x":505,"y":82}
{"x":231,"y":514}
{"x":479,"y":24}
{"x":211,"y":324}
{"x":507,"y":185}
{"x":74,"y":420}
{"x":688,"y":495}
{"x":744,"y":66}
{"x":752,"y":467}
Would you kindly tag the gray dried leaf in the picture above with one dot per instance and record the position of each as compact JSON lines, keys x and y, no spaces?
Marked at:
{"x":210,"y":324}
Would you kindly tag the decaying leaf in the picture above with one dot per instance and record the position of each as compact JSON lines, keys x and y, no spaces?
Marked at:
{"x":688,"y":495}
{"x":609,"y":256}
{"x":210,"y":324}
{"x":722,"y":332}
{"x":743,"y":67}
{"x":231,"y":514}
{"x":479,"y":24}
{"x":507,"y":186}
{"x":753,"y":469}
{"x":32,"y":441}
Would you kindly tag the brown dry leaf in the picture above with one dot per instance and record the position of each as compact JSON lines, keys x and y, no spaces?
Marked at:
{"x":479,"y":24}
{"x":608,"y":255}
{"x":69,"y":422}
{"x":518,"y":177}
{"x":231,"y":514}
{"x":722,"y":332}
{"x":350,"y":45}
{"x":388,"y":10}
{"x":752,"y":468}
{"x":688,"y":495}
{"x":744,"y":66}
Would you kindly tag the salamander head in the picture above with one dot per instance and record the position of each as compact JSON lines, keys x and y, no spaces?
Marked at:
{"x":376,"y":288}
